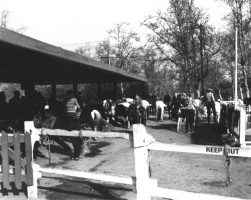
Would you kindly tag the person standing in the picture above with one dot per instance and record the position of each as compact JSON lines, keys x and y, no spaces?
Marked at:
{"x":72,"y":107}
{"x":16,"y":106}
{"x":210,"y":104}
{"x":17,"y":111}
{"x":4,"y":107}
{"x":190,"y":113}
{"x":138,"y":100}
{"x":72,"y":121}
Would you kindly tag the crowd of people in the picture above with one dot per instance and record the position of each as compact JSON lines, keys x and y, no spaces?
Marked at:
{"x":16,"y":107}
{"x":16,"y":110}
{"x":186,"y":107}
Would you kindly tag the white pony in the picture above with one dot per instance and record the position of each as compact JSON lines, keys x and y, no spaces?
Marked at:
{"x":129,"y":100}
{"x":145,"y":104}
{"x":159,"y":105}
{"x":217,"y":110}
{"x":201,"y":109}
{"x":126,"y":104}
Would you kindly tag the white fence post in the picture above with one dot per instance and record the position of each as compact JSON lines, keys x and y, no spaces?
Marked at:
{"x":143,"y":183}
{"x":29,"y":127}
{"x":242,"y":125}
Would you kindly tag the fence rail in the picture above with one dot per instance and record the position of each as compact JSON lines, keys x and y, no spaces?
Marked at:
{"x":234,"y":118}
{"x":144,"y":142}
{"x":36,"y":133}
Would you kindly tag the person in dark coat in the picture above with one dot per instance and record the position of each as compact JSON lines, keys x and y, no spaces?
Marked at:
{"x":210,"y":104}
{"x":4,"y":107}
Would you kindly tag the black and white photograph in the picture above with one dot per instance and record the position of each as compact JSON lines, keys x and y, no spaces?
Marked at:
{"x":125,"y":99}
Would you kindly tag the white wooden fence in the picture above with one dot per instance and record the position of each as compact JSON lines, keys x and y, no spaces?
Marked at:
{"x":142,"y":143}
{"x":36,"y":133}
{"x":147,"y":187}
{"x":241,"y":129}
{"x":239,"y":132}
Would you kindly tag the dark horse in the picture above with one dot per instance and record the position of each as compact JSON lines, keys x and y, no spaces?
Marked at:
{"x":63,"y":122}
{"x":137,"y":114}
{"x":168,"y":102}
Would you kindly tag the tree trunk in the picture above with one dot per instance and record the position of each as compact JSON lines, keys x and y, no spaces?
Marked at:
{"x":219,"y":94}
{"x":241,"y":91}
{"x":197,"y":90}
{"x":245,"y":82}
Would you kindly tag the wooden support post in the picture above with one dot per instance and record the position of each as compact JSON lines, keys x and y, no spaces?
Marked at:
{"x":54,"y":89}
{"x":75,"y":89}
{"x":115,"y":90}
{"x":32,"y":190}
{"x":141,"y":162}
{"x":30,"y":98}
{"x":99,"y":91}
{"x":29,"y":128}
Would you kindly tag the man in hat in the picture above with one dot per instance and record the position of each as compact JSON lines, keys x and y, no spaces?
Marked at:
{"x":210,"y":103}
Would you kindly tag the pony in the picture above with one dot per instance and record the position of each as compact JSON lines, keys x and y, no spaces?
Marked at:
{"x":121,"y":114}
{"x":160,"y":106}
{"x":137,"y":114}
{"x":64,"y":122}
{"x":117,"y":112}
{"x":91,"y":115}
{"x":201,"y":109}
{"x":168,"y":101}
{"x":124,"y":113}
{"x":145,"y":104}
{"x":181,"y":116}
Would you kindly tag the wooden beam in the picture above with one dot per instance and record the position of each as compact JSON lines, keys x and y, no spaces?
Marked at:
{"x":89,"y":175}
{"x":85,"y":133}
{"x":201,"y":149}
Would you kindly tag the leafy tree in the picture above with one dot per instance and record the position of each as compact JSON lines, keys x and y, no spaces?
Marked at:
{"x":183,"y":37}
{"x":240,"y":19}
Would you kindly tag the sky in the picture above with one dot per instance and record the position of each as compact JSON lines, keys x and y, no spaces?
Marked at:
{"x":72,"y":23}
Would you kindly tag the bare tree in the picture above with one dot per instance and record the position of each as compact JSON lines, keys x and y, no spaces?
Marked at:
{"x":86,"y":50}
{"x":5,"y":16}
{"x":124,"y":50}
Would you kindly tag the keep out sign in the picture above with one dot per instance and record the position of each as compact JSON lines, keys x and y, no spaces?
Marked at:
{"x":219,"y":150}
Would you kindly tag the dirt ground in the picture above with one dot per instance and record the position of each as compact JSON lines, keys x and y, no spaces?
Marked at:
{"x":182,"y":171}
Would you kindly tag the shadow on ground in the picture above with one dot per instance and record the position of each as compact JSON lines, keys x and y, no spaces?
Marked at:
{"x":204,"y":134}
{"x":76,"y":188}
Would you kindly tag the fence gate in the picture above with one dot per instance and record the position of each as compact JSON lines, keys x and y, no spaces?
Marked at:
{"x":12,"y":146}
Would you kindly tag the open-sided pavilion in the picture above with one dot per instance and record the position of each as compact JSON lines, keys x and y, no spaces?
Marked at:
{"x":31,"y":62}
